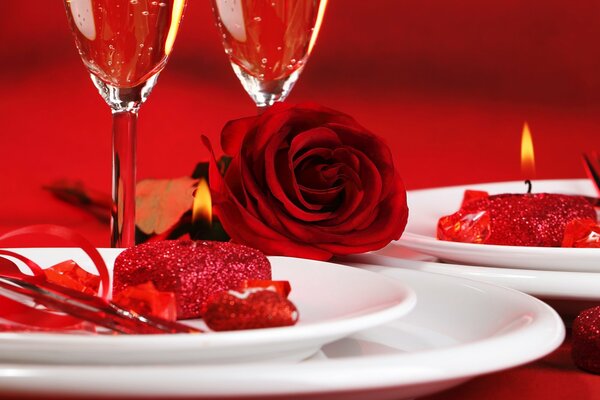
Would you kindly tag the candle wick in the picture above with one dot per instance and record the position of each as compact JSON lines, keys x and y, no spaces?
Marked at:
{"x":529,"y":186}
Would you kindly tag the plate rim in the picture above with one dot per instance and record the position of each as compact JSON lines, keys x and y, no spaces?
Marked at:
{"x":388,"y":371}
{"x":231,"y":339}
{"x":524,"y":280}
{"x":424,"y":243}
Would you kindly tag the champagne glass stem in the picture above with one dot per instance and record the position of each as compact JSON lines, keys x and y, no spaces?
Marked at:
{"x":124,"y":150}
{"x":125,"y":104}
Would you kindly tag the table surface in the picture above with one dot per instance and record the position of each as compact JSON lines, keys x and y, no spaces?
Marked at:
{"x":433,"y":94}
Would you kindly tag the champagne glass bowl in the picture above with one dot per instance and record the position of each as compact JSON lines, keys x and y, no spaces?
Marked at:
{"x":268,"y":42}
{"x":124,"y":44}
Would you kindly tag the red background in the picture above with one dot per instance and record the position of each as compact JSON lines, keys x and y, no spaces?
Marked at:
{"x":447,"y":83}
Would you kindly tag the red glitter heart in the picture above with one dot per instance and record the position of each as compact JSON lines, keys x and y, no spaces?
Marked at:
{"x":514,"y":219}
{"x":250,"y":309}
{"x":192,"y":270}
{"x":586,"y":340}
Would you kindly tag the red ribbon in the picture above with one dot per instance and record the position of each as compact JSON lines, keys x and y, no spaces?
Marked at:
{"x":20,"y":313}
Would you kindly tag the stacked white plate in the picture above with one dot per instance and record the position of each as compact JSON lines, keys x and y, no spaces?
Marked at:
{"x":353,"y":341}
{"x":568,"y":278}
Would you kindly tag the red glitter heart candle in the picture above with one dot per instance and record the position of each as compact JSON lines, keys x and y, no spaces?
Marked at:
{"x":191,"y":270}
{"x":252,"y":308}
{"x":515,"y":219}
{"x":586,"y":340}
{"x":521,"y":219}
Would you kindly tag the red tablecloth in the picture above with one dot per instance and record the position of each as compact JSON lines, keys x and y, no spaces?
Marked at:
{"x":448,"y":85}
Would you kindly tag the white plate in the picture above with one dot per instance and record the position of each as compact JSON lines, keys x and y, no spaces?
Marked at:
{"x":459,"y":329}
{"x":427,"y":206}
{"x":542,"y":284}
{"x":568,"y":293}
{"x":325,"y":295}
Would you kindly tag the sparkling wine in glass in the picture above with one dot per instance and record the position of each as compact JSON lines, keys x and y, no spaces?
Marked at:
{"x":268,"y":42}
{"x":124,"y":44}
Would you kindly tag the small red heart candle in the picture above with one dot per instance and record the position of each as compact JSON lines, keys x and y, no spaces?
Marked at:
{"x":526,"y":219}
{"x":514,"y":219}
{"x":586,"y":340}
{"x":189,"y":269}
{"x":251,"y":308}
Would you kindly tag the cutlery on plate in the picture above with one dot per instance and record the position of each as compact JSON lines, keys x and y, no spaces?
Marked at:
{"x":90,"y":308}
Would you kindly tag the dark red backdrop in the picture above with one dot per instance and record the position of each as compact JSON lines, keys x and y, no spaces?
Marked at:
{"x":447,"y":83}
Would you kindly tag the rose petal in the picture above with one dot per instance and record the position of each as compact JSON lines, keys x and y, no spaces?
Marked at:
{"x":273,"y":179}
{"x":373,"y":147}
{"x":319,"y":137}
{"x":379,"y":233}
{"x":246,"y":228}
{"x":234,"y":132}
{"x":361,"y":201}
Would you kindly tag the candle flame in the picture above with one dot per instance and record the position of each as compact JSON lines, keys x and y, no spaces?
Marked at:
{"x":202,"y":206}
{"x":527,"y":155}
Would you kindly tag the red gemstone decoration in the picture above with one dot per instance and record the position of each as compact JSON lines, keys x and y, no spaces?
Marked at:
{"x":471,"y":195}
{"x":465,"y":227}
{"x":586,"y":340}
{"x":250,"y":309}
{"x":69,"y":274}
{"x":582,"y":233}
{"x":145,"y":299}
{"x":514,"y":219}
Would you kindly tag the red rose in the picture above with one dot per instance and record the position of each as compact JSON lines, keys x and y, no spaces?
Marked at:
{"x":308,"y":181}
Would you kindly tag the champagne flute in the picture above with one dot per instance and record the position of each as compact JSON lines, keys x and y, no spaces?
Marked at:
{"x":268,"y":42}
{"x":124,"y":44}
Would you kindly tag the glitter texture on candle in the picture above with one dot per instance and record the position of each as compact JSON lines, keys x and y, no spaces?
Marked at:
{"x":192,"y":270}
{"x":515,"y":219}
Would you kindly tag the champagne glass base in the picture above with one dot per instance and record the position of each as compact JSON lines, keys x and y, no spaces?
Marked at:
{"x":266,"y":93}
